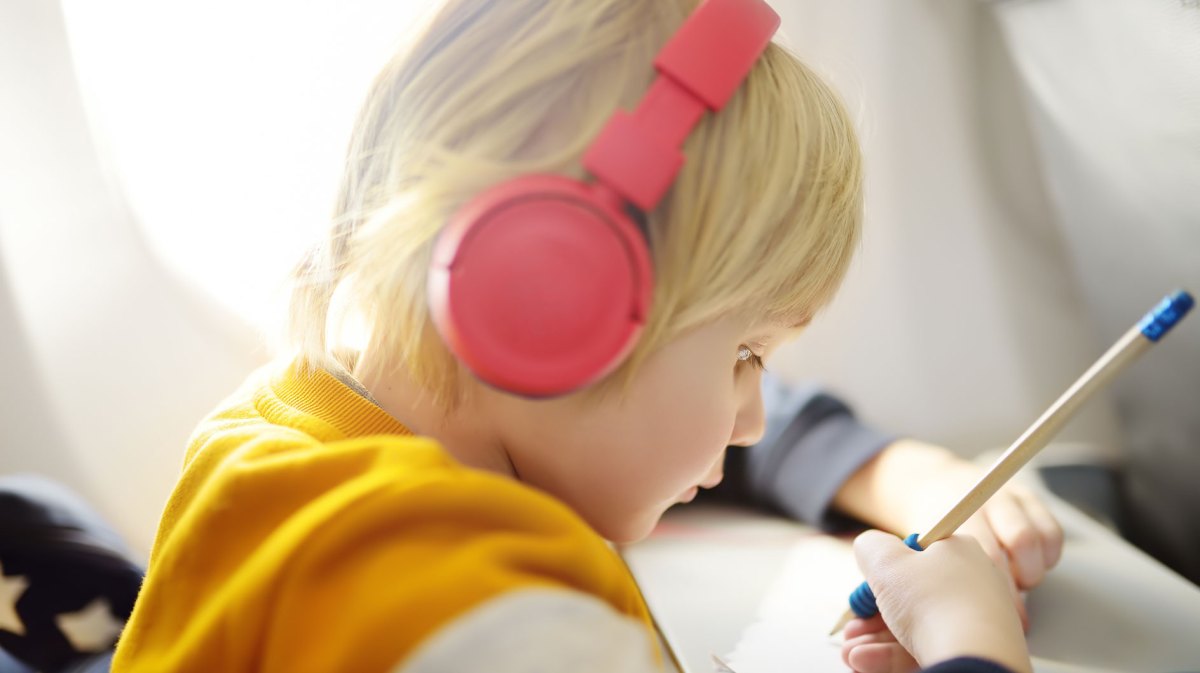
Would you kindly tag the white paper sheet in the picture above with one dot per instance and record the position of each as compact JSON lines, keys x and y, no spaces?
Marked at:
{"x":798,"y":613}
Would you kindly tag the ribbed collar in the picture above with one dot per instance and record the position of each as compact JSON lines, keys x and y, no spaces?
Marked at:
{"x":319,"y":393}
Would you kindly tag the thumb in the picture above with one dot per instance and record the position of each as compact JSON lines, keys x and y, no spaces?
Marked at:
{"x":881,"y":558}
{"x":876,"y":551}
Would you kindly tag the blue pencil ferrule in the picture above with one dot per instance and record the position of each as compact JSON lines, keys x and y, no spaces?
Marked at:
{"x":862,"y":599}
{"x":1163,"y":317}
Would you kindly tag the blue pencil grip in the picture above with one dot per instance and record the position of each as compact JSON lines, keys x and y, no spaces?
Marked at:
{"x":862,"y":599}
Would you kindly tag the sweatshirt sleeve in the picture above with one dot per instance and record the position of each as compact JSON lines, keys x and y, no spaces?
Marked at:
{"x":967,"y":665}
{"x":812,"y":444}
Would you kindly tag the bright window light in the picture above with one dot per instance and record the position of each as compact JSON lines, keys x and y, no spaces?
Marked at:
{"x":225,"y":123}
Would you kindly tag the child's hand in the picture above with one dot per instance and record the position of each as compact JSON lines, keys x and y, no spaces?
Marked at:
{"x":875,"y":648}
{"x":1014,"y":527}
{"x":947,"y":601}
{"x":911,"y":484}
{"x":1020,"y":536}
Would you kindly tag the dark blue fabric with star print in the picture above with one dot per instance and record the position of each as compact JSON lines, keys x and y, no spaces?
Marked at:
{"x":67,"y":582}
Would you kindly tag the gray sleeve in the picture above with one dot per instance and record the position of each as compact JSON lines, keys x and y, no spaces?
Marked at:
{"x":812,"y":444}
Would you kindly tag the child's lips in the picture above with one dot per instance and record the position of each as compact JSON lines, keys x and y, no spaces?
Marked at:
{"x":689,"y":494}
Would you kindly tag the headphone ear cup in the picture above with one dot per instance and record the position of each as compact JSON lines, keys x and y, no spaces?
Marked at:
{"x":540,"y":285}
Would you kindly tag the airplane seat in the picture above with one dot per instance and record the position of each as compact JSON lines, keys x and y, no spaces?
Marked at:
{"x":1112,"y":92}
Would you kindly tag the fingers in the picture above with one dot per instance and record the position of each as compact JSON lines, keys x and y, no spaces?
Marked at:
{"x":874,"y":550}
{"x":1022,"y":611}
{"x":947,"y":601}
{"x":1047,"y":526}
{"x":1013,"y":529}
{"x":979,"y":528}
{"x":857,"y":627}
{"x":1019,"y":528}
{"x":877,"y":652}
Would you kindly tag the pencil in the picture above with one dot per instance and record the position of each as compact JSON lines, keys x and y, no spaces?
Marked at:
{"x":1132,"y":344}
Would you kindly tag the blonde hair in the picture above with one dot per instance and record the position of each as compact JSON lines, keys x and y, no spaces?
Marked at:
{"x":763,"y":217}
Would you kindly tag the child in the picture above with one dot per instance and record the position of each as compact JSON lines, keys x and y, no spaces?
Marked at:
{"x":442,"y":497}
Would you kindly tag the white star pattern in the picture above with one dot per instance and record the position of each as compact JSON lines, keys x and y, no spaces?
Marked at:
{"x":11,"y":589}
{"x":90,"y":629}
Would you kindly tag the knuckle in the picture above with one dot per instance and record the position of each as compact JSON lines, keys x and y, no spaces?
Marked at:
{"x":1025,"y":537}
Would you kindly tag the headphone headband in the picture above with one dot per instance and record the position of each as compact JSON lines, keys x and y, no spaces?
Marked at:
{"x":541,"y":284}
{"x":638,"y":154}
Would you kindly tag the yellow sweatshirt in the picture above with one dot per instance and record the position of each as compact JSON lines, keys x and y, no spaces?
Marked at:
{"x":310,"y":531}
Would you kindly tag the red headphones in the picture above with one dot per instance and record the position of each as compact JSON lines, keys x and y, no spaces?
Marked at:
{"x":541,"y":284}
